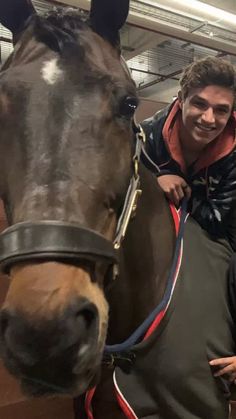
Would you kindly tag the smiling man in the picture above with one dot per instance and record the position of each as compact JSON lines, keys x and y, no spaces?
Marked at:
{"x":194,"y":146}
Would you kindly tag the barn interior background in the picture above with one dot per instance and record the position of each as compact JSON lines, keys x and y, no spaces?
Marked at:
{"x":159,"y":40}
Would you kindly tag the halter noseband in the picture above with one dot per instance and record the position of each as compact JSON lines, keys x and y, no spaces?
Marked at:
{"x":57,"y":240}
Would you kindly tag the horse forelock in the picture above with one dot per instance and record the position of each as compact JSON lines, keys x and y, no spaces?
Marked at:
{"x":67,"y":32}
{"x":67,"y":18}
{"x":62,"y":24}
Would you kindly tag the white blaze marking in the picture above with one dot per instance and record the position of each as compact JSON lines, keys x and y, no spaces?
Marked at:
{"x":51,"y":72}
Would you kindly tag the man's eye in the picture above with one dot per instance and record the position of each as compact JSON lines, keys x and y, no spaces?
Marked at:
{"x":200,"y":105}
{"x":222,"y":111}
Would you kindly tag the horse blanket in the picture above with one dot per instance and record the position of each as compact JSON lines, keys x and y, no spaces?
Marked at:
{"x":171,"y":377}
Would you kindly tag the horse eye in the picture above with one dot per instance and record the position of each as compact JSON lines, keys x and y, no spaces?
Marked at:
{"x":128,"y":106}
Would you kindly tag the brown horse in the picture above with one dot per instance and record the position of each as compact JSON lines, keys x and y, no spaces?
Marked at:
{"x":67,"y":102}
{"x":70,"y":163}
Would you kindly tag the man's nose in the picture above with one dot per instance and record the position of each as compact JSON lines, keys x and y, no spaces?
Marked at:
{"x":208,"y":116}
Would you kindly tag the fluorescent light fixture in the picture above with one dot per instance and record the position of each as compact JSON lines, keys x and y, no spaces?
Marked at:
{"x":195,"y":9}
{"x":213,"y":12}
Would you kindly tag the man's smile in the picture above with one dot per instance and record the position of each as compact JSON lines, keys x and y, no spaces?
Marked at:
{"x":204,"y":127}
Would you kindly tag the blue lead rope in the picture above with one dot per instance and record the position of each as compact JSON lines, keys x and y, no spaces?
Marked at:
{"x":141,"y":330}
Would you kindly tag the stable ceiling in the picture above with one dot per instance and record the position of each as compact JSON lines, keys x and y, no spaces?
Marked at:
{"x":156,"y":59}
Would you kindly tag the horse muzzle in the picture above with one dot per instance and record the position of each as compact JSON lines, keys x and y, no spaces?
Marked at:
{"x":57,"y":356}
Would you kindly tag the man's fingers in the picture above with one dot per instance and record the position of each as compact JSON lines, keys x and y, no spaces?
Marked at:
{"x":186,"y":190}
{"x":180,"y":192}
{"x":174,"y":197}
{"x":221,"y":361}
{"x":174,"y":187}
{"x":232,"y":378}
{"x":226,"y":366}
{"x":225,"y":370}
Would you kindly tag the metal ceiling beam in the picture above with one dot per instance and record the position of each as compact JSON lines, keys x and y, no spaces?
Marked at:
{"x":160,"y":79}
{"x":181,"y":34}
{"x":215,"y":16}
{"x":151,"y":73}
{"x":140,"y":40}
{"x":157,"y":26}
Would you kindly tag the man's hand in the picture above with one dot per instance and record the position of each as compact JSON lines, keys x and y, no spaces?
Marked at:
{"x":175,"y":188}
{"x":226,"y":366}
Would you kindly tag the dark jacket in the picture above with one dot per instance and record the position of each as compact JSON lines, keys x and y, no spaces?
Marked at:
{"x":211,"y":178}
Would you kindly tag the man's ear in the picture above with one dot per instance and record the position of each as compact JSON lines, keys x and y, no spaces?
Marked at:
{"x":14,"y":14}
{"x":107,"y":17}
{"x":180,"y":98}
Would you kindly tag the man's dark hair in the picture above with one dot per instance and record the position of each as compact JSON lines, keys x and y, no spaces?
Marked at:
{"x":208,"y":71}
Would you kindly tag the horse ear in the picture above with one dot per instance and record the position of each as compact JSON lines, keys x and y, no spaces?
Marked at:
{"x":108,"y":16}
{"x":14,"y":14}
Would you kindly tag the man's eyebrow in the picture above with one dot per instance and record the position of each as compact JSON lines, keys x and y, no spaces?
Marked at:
{"x":218,"y":105}
{"x":223,"y":105}
{"x":196,"y":97}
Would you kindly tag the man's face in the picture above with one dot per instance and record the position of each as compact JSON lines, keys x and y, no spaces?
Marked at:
{"x":205,"y":113}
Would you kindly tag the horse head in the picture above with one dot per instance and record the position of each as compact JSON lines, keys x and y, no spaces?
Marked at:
{"x":66,"y":147}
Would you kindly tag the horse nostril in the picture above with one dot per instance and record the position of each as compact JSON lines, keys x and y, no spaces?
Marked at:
{"x":79,"y":323}
{"x":89,"y":313}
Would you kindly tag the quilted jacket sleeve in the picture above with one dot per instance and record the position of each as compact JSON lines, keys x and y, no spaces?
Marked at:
{"x":231,"y":228}
{"x":213,"y":206}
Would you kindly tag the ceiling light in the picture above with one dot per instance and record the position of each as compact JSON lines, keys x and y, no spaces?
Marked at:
{"x":195,"y":9}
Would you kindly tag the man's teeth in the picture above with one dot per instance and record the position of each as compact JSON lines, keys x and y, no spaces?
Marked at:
{"x":205,"y":128}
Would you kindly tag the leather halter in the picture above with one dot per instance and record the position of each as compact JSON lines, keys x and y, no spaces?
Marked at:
{"x":57,"y":240}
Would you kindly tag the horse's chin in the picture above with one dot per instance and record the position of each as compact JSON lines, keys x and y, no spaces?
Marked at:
{"x":37,"y":389}
{"x":57,"y":377}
